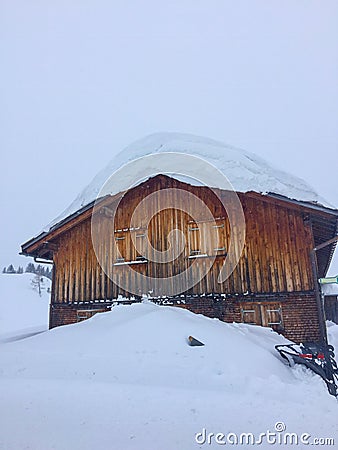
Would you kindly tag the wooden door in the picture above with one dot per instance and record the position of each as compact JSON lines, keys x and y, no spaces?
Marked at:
{"x":264,"y":314}
{"x":251,"y":313}
{"x":271,"y":314}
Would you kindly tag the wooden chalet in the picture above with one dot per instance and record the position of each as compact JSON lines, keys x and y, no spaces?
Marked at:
{"x":274,"y":283}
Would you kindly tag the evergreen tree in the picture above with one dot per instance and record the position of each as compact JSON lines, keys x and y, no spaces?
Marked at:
{"x":49,"y":273}
{"x":30,"y":268}
{"x":10,"y":269}
{"x":4,"y":270}
{"x":39,"y":270}
{"x":20,"y":270}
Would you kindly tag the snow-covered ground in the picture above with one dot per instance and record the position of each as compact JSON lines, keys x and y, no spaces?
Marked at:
{"x":332,"y":332}
{"x":128,"y":380}
{"x":22,"y":309}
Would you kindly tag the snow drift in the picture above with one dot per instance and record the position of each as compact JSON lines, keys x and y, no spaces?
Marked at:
{"x":22,"y":310}
{"x":127,"y":379}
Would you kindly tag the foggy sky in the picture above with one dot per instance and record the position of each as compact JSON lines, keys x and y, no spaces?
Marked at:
{"x":80,"y":80}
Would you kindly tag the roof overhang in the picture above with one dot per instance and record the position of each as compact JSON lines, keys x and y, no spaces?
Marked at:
{"x":324,"y":222}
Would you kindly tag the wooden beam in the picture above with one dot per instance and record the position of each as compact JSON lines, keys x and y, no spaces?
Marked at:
{"x":325,"y":244}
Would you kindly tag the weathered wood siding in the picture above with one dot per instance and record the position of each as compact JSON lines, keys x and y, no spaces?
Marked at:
{"x":275,"y":257}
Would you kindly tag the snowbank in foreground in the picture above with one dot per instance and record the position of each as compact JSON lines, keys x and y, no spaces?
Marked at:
{"x":22,"y":310}
{"x":128,"y":380}
{"x":332,"y":333}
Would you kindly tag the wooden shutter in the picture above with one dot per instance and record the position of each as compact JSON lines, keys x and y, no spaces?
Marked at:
{"x":271,"y":314}
{"x":265,"y":314}
{"x":251,"y":314}
{"x":217,"y":234}
{"x":120,"y":248}
{"x":194,"y":239}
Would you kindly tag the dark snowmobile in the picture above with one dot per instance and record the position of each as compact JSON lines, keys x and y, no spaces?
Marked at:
{"x":319,"y":358}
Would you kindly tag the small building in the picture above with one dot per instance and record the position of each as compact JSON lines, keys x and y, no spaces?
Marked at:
{"x":273,"y":283}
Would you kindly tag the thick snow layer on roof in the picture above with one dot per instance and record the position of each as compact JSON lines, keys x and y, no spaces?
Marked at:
{"x":245,"y":171}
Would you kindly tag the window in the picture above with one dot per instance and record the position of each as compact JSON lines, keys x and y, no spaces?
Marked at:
{"x":130,"y":246}
{"x":264,"y":314}
{"x":206,"y":238}
{"x":140,"y":240}
{"x":194,"y":240}
{"x":120,"y":247}
{"x":218,"y":238}
{"x":273,"y":315}
{"x":250,"y":314}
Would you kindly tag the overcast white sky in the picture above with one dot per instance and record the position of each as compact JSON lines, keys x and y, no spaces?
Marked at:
{"x":80,"y":80}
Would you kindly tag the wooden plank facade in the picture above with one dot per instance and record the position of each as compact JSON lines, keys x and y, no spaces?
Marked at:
{"x":272,"y":284}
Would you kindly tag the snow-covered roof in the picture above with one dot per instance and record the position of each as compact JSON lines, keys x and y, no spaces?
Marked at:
{"x":245,"y":171}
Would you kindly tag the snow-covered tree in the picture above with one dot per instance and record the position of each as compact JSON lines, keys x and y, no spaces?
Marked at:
{"x":37,"y":283}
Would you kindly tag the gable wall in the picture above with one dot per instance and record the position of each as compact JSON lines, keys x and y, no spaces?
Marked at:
{"x":274,"y":266}
{"x":275,"y":257}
